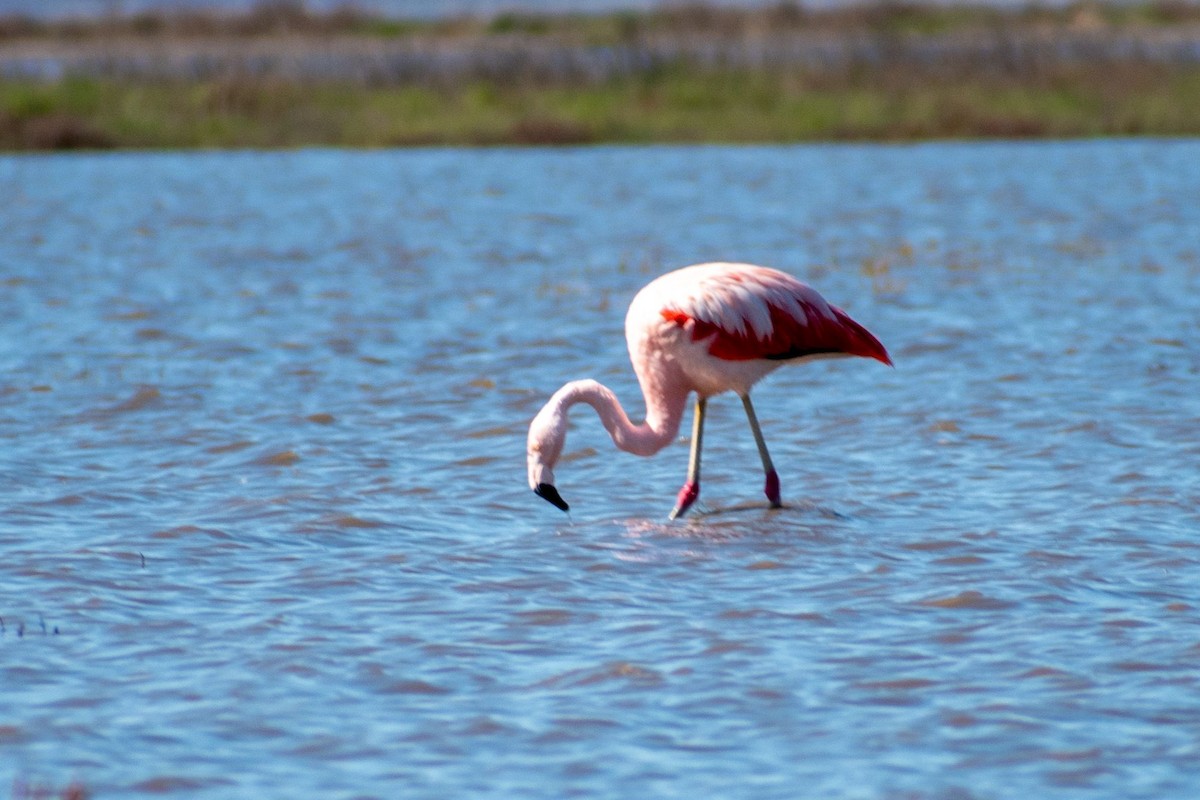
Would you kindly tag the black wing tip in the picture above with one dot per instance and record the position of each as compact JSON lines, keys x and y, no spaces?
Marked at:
{"x":551,"y":496}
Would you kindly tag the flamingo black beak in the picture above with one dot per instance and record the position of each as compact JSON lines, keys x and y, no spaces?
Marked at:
{"x":551,"y":496}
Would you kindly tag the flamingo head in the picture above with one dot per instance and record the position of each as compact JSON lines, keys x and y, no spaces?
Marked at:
{"x":547,"y":433}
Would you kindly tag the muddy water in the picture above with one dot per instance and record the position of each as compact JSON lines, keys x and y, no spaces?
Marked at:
{"x":264,"y":529}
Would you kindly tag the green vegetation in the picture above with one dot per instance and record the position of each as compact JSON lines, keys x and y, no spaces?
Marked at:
{"x":898,"y":93}
{"x":668,"y":107}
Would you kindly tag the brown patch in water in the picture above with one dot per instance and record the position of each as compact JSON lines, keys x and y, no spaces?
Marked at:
{"x":349,"y":521}
{"x":232,"y":447}
{"x":970,"y":599}
{"x":285,"y":458}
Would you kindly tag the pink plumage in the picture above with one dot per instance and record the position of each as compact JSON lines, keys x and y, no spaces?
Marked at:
{"x":704,"y":329}
{"x":746,"y":312}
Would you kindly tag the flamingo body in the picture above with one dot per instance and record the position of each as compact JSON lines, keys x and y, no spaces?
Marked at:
{"x":704,"y":329}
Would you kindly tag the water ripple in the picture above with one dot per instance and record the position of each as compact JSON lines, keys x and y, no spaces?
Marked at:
{"x":263,"y":418}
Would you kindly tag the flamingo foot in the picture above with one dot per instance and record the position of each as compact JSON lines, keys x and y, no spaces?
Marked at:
{"x":772,"y":489}
{"x":687,"y":496}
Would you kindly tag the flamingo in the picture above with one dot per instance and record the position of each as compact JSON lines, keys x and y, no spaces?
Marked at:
{"x":703,"y":329}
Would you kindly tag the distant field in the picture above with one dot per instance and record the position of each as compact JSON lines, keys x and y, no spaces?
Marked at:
{"x":280,"y":77}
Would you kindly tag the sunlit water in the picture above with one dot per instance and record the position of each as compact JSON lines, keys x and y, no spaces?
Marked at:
{"x":264,"y":529}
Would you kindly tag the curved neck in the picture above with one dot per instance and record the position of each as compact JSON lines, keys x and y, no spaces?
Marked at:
{"x":664,"y":412}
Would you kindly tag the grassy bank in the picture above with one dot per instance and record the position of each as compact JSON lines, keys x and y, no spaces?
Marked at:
{"x":908,"y":74}
{"x":677,"y":107}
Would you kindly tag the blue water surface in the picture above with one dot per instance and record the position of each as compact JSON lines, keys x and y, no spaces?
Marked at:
{"x":264,"y":527}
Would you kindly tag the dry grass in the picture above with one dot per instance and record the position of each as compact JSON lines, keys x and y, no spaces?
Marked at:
{"x":51,"y":131}
{"x":276,"y":17}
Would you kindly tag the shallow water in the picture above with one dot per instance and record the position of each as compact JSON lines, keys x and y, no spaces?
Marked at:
{"x":264,"y":529}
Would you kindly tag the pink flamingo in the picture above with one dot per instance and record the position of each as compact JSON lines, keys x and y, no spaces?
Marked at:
{"x":708,"y":328}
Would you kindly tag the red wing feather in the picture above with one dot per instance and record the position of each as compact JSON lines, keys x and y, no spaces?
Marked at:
{"x":789,"y":337}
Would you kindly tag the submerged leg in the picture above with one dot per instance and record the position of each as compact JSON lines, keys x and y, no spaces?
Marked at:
{"x":691,"y":489}
{"x":772,"y":485}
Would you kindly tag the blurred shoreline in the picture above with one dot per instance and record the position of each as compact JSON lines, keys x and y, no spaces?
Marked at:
{"x":280,"y":76}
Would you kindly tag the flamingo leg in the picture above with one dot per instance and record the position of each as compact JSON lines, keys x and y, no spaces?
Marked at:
{"x":771,"y":489}
{"x":691,"y":489}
